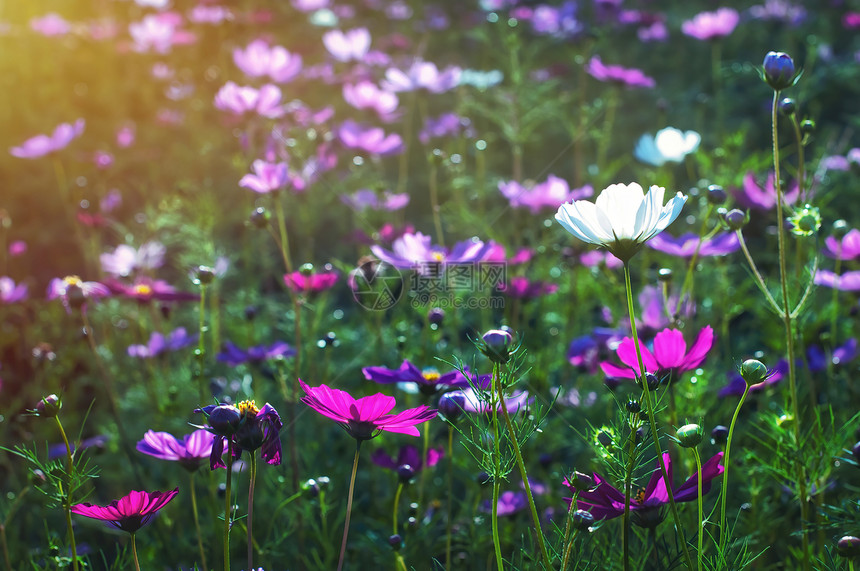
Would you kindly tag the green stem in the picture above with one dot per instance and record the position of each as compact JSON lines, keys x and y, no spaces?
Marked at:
{"x":134,"y":552}
{"x":789,"y":335}
{"x":497,"y":469}
{"x":228,"y":505}
{"x":628,"y":485}
{"x":757,"y":274}
{"x":197,"y":523}
{"x":394,"y":510}
{"x":67,"y":507}
{"x":349,"y":506}
{"x":201,"y":346}
{"x":253,"y":475}
{"x":568,"y":540}
{"x":701,"y":520}
{"x":651,"y":417}
{"x":608,"y":122}
{"x":524,"y":475}
{"x":449,"y":523}
{"x":801,"y":173}
{"x":688,"y":277}
{"x":724,"y":490}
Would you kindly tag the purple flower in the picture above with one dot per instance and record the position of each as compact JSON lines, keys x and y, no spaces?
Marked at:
{"x":372,"y":140}
{"x":421,"y":75}
{"x":41,"y":145}
{"x":267,"y":177}
{"x":427,"y":380}
{"x":685,"y":246}
{"x":347,"y":46}
{"x":849,"y":281}
{"x":59,"y":450}
{"x":129,"y":513}
{"x":817,"y":360}
{"x":259,"y":60}
{"x":594,"y":258}
{"x":846,"y":249}
{"x":366,"y":95}
{"x":202,"y":14}
{"x":126,"y":259}
{"x":779,"y":10}
{"x":521,"y":288}
{"x":551,"y":193}
{"x":158,"y":344}
{"x":737,"y":385}
{"x":145,"y":289}
{"x":606,"y":502}
{"x":509,"y":503}
{"x":411,"y":250}
{"x":245,"y":427}
{"x":655,"y":310}
{"x":764,"y":198}
{"x":365,"y":198}
{"x":407,"y":456}
{"x":628,"y":77}
{"x":51,"y":24}
{"x":446,"y":125}
{"x":471,"y":401}
{"x":559,"y":22}
{"x":301,"y":282}
{"x":588,"y":351}
{"x":233,"y":355}
{"x":159,"y":33}
{"x":244,"y":99}
{"x":670,"y":356}
{"x":11,"y":293}
{"x":190,"y":452}
{"x":711,"y":25}
{"x":74,"y":292}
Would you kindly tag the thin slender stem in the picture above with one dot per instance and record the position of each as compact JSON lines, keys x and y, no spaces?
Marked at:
{"x":628,"y":485}
{"x":568,"y":540}
{"x":253,"y":471}
{"x":701,"y":520}
{"x":757,"y":274}
{"x":228,"y":505}
{"x":134,"y":552}
{"x":197,"y":524}
{"x":201,"y":346}
{"x":801,"y":174}
{"x":651,"y":418}
{"x":497,"y":469}
{"x":67,"y":507}
{"x":394,"y":509}
{"x":724,"y":491}
{"x":688,"y":277}
{"x":349,"y":506}
{"x":449,"y":524}
{"x":789,"y":334}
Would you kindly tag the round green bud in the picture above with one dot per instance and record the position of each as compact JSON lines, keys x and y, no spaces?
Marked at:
{"x":689,"y":435}
{"x":753,"y":372}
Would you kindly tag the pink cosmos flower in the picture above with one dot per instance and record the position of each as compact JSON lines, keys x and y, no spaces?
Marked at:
{"x":159,"y":33}
{"x":190,"y":452}
{"x":551,"y":193}
{"x":313,"y":283}
{"x":371,"y":140}
{"x":258,"y":60}
{"x":684,"y":246}
{"x":849,"y":281}
{"x":346,"y":46}
{"x":846,"y":249}
{"x":594,"y":258}
{"x":711,"y":25}
{"x":267,"y":177}
{"x":365,"y":198}
{"x":366,"y":417}
{"x":125,"y":136}
{"x":764,"y":198}
{"x":408,"y":455}
{"x":125,"y":259}
{"x":446,"y":125}
{"x":669,"y":358}
{"x":244,"y":99}
{"x":310,"y":5}
{"x":145,"y":290}
{"x":74,"y":292}
{"x":628,"y":77}
{"x":130,"y":512}
{"x":416,"y":250}
{"x":203,"y":14}
{"x":41,"y":145}
{"x":11,"y":293}
{"x":51,"y":24}
{"x":422,"y":75}
{"x":366,"y":95}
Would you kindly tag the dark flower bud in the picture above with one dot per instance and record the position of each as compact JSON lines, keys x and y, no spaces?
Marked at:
{"x":855,"y":451}
{"x":719,"y":435}
{"x":49,"y":406}
{"x":779,"y":70}
{"x":604,"y":438}
{"x":483,"y":478}
{"x":496,"y":345}
{"x":787,"y":106}
{"x":310,"y":488}
{"x":260,"y":217}
{"x":250,"y":312}
{"x":807,"y":126}
{"x":580,"y":481}
{"x":395,"y":541}
{"x":716,"y":194}
{"x":436,"y":316}
{"x":689,"y":435}
{"x":753,"y":372}
{"x":412,"y":523}
{"x":451,"y":406}
{"x":641,"y":433}
{"x":840,"y":229}
{"x":205,"y":275}
{"x":405,"y":472}
{"x":735,"y":219}
{"x":581,"y":520}
{"x":651,"y":379}
{"x":413,"y":509}
{"x":848,"y":546}
{"x":225,"y":419}
{"x":545,"y":459}
{"x":633,"y":406}
{"x":664,"y":275}
{"x":307,"y":270}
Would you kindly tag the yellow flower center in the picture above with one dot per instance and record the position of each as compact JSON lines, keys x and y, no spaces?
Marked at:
{"x":142,"y":289}
{"x":639,"y":497}
{"x":438,"y":256}
{"x":248,"y":406}
{"x":72,"y":281}
{"x":430,"y":375}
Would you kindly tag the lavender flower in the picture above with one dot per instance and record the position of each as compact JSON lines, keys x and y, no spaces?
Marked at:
{"x":551,"y":193}
{"x":764,"y":198}
{"x":411,"y":250}
{"x":627,"y":77}
{"x":849,"y":281}
{"x":11,"y":293}
{"x":366,"y":95}
{"x":41,"y":145}
{"x":260,"y":60}
{"x":158,"y":343}
{"x":685,"y":245}
{"x":240,"y":100}
{"x":711,"y":25}
{"x":446,"y":125}
{"x":347,"y":46}
{"x":372,"y":140}
{"x":190,"y":452}
{"x":267,"y":177}
{"x":365,"y":199}
{"x":428,"y":380}
{"x":126,"y":259}
{"x":421,"y":75}
{"x":233,"y":355}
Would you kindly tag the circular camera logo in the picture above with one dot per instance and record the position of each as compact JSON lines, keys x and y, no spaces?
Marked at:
{"x":376,"y":286}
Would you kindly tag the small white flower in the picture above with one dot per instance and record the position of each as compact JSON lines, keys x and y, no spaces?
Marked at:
{"x":668,"y":145}
{"x":622,"y":218}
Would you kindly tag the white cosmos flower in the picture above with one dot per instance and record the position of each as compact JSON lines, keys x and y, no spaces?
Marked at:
{"x":622,"y":218}
{"x":668,"y":145}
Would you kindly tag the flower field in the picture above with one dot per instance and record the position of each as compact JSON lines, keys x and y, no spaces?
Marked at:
{"x":448,"y":285}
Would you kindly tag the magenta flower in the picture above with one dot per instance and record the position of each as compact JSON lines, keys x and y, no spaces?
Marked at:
{"x":521,"y":288}
{"x":510,"y":502}
{"x":244,"y":99}
{"x":849,"y":281}
{"x":415,"y":250}
{"x":11,"y":293}
{"x":408,"y":455}
{"x":846,"y":249}
{"x":606,"y":502}
{"x":347,"y":46}
{"x":627,"y":77}
{"x":656,"y":309}
{"x":301,"y":282}
{"x":372,"y":140}
{"x":685,"y":246}
{"x":669,"y":359}
{"x":259,"y":60}
{"x":41,"y":145}
{"x":129,"y":513}
{"x":366,"y":417}
{"x":764,"y":198}
{"x":594,"y":258}
{"x":190,"y":452}
{"x":551,"y":193}
{"x":244,"y":427}
{"x":267,"y":177}
{"x":125,"y":260}
{"x":421,"y":75}
{"x":159,"y":344}
{"x":711,"y":25}
{"x":366,"y":95}
{"x":145,"y":289}
{"x":365,"y":198}
{"x":428,"y":380}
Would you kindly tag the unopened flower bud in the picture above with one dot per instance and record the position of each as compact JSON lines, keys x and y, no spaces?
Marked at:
{"x":651,"y":379}
{"x":310,"y":488}
{"x":840,"y":229}
{"x":633,"y":406}
{"x":582,"y":520}
{"x":436,"y":316}
{"x":580,"y":481}
{"x":451,"y":405}
{"x":779,"y":70}
{"x":689,"y":435}
{"x":260,"y":217}
{"x":412,"y":523}
{"x":719,"y":435}
{"x":664,"y":275}
{"x":395,"y":541}
{"x":496,"y":345}
{"x":735,"y":219}
{"x":225,"y":419}
{"x":787,"y":106}
{"x":205,"y":275}
{"x":49,"y":406}
{"x":604,"y":438}
{"x":307,"y":270}
{"x":807,"y":126}
{"x":716,"y":194}
{"x":848,"y":546}
{"x":37,"y":477}
{"x":753,"y":372}
{"x":405,"y":472}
